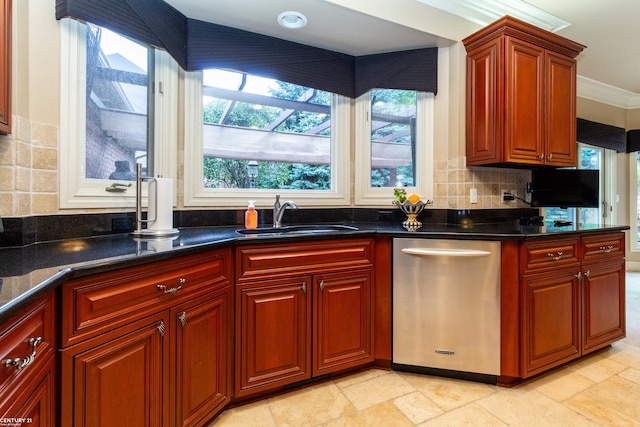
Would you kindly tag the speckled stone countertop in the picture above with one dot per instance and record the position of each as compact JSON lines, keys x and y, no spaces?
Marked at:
{"x":29,"y":271}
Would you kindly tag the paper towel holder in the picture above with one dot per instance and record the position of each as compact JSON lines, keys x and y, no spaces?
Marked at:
{"x":145,"y":232}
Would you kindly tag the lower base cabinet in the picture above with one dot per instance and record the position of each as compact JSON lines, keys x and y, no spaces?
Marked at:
{"x":28,"y":368}
{"x":169,"y":366}
{"x":572,"y":299}
{"x":165,"y":370}
{"x":302,"y":311}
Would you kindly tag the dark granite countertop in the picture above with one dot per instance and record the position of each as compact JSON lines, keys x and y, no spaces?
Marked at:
{"x":29,"y":271}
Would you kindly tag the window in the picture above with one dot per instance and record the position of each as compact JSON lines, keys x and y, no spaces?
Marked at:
{"x":253,"y":137}
{"x":109,"y":101}
{"x":395,"y":144}
{"x":634,"y":200}
{"x":591,"y":158}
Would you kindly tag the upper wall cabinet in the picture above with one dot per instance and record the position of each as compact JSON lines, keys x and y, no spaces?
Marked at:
{"x":5,"y":66}
{"x":521,"y":96}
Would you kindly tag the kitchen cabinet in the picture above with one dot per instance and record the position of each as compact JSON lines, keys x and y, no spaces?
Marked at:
{"x":27,"y":374}
{"x":572,"y":298}
{"x":303,"y":310}
{"x":521,"y":96}
{"x":5,"y":66}
{"x":149,"y":345}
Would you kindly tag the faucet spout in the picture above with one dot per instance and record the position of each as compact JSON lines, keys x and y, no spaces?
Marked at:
{"x":278,"y":210}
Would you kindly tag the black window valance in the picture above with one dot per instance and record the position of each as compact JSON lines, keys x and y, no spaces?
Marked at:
{"x":197,"y":45}
{"x":601,"y":135}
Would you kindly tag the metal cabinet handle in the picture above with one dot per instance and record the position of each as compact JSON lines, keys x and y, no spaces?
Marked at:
{"x":606,"y":249}
{"x":550,"y":156}
{"x":304,"y":287}
{"x":183,"y":318}
{"x":541,"y":156}
{"x":171,"y":290}
{"x":555,"y":257}
{"x":579,"y":275}
{"x":321,"y":285}
{"x":587,"y":273}
{"x":161,"y":328}
{"x":26,"y":361}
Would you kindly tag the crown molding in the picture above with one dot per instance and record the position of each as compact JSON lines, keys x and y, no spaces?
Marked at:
{"x":607,"y":94}
{"x":484,"y":12}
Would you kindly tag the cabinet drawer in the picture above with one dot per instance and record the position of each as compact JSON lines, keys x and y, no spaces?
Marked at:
{"x":19,"y":343}
{"x":96,"y":304}
{"x":265,"y":261}
{"x":603,"y":247}
{"x":548,"y":254}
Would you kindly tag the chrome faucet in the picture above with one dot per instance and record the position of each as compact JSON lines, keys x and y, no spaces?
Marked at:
{"x":278,"y":210}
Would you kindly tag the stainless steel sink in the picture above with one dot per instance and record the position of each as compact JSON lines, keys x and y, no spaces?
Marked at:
{"x":298,"y":229}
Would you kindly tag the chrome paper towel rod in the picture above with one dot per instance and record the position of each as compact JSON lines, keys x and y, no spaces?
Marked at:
{"x":160,"y":207}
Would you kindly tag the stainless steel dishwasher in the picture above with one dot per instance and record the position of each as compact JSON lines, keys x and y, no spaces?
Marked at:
{"x":446,"y":307}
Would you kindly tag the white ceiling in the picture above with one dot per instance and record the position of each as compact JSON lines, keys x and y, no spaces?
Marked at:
{"x":610,"y":29}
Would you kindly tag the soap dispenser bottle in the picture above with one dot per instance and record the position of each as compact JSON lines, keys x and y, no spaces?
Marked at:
{"x":251,"y":216}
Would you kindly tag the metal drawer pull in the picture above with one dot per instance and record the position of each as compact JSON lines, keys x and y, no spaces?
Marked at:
{"x":183,"y":318}
{"x":164,"y":289}
{"x":587,"y":273}
{"x":23,"y":363}
{"x":607,"y":249}
{"x":555,"y":257}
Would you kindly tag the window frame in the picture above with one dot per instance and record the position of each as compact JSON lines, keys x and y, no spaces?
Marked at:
{"x":76,"y":191}
{"x":197,"y":196}
{"x":424,"y":167}
{"x":634,"y":245}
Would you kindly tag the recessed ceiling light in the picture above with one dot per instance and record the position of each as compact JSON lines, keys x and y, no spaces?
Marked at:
{"x":292,"y":19}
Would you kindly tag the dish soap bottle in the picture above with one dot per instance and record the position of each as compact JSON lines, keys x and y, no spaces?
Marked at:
{"x":251,"y":216}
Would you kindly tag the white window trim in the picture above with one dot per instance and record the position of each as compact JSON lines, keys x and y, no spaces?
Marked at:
{"x":76,"y":191}
{"x":633,"y":203}
{"x":367,"y":195}
{"x":196,"y":195}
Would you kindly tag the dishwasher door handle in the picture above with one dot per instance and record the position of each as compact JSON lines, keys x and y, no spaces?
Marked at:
{"x":445,"y":252}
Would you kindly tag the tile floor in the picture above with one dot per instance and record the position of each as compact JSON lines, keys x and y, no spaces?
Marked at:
{"x":600,"y":390}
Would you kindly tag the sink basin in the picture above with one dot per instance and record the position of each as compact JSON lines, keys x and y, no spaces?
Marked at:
{"x":299,"y":229}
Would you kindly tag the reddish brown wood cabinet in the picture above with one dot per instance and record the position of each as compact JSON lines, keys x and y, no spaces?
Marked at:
{"x":292,"y":326}
{"x":5,"y":66}
{"x":149,"y":345}
{"x":572,"y":298}
{"x":27,"y":371}
{"x":521,"y":96}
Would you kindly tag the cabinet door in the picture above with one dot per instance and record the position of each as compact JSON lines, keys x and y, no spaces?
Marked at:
{"x":200,"y":368}
{"x":604,"y":300}
{"x":341,"y":321}
{"x":560,"y":111}
{"x":34,"y":402}
{"x":550,"y":320}
{"x":117,"y":380}
{"x":485,"y":105}
{"x":524,"y":102}
{"x":273,"y":330}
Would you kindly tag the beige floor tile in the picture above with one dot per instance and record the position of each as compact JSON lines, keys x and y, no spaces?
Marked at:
{"x":360,"y":377}
{"x":310,"y":406}
{"x":377,"y":390}
{"x":448,"y":393}
{"x":619,"y":394}
{"x":598,"y":368}
{"x":626,"y":354}
{"x":526,"y":406}
{"x":468,"y":415}
{"x":631,"y":374}
{"x":562,"y":384}
{"x":598,"y":411}
{"x":253,"y":415}
{"x":380,"y":415}
{"x":417,"y":407}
